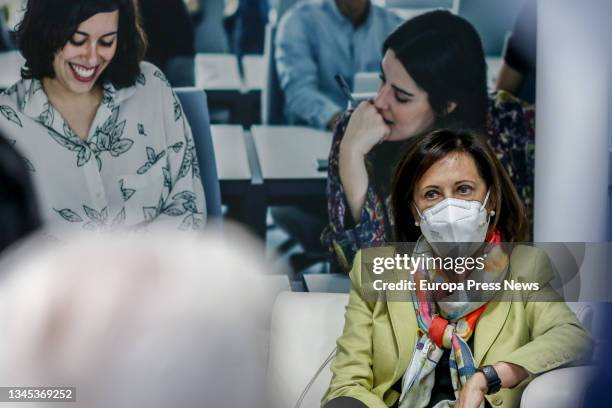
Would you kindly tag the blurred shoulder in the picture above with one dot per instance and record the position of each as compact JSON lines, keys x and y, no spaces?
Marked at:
{"x":503,"y":100}
{"x":386,"y":16}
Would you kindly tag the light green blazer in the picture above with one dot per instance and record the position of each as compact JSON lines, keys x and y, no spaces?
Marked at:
{"x":379,"y":337}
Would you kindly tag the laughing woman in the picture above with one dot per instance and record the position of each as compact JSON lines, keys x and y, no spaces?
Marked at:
{"x":103,"y":133}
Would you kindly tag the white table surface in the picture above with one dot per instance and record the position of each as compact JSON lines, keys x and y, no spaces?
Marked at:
{"x":255,"y":71}
{"x":291,"y":152}
{"x":230,"y":152}
{"x":10,"y":68}
{"x":217,"y":72}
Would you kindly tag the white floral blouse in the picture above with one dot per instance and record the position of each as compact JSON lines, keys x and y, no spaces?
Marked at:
{"x":138,"y":166}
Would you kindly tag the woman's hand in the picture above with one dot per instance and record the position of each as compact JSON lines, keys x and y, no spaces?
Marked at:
{"x":365,"y":129}
{"x":473,"y":392}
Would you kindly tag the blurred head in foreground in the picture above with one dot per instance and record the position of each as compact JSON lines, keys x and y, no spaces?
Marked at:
{"x":165,"y":321}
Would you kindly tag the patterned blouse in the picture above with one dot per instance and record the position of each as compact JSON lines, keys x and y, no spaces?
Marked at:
{"x":138,"y":166}
{"x":511,"y":131}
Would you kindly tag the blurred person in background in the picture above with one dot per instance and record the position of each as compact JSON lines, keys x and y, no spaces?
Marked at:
{"x":317,"y":39}
{"x":249,"y":26}
{"x":517,"y":74}
{"x":433,"y":76}
{"x":105,"y":136}
{"x":18,"y":207}
{"x":170,"y":39}
{"x":163,"y":321}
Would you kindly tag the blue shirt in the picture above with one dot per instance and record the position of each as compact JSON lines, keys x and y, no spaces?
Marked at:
{"x":314,"y":42}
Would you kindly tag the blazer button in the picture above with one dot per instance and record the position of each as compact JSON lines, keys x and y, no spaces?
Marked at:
{"x":497,"y":400}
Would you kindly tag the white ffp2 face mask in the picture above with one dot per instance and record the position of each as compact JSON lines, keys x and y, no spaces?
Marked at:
{"x":454,"y":220}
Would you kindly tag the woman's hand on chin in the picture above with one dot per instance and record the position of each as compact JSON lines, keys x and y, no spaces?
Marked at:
{"x":365,"y":129}
{"x":472,"y":394}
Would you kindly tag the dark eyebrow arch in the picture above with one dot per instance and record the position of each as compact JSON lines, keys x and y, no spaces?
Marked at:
{"x":87,"y":35}
{"x":397,"y":89}
{"x":464,"y":181}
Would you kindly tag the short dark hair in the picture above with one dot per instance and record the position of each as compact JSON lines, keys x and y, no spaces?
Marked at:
{"x":425,"y":150}
{"x":47,"y":26}
{"x":443,"y":54}
{"x":18,"y":206}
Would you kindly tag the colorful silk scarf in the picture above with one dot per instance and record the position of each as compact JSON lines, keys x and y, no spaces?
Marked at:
{"x":445,"y":325}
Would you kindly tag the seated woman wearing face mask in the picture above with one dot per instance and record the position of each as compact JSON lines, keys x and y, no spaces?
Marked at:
{"x":103,"y":134}
{"x":453,"y":347}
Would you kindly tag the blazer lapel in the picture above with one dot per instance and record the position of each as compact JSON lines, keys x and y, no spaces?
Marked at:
{"x":403,"y":321}
{"x":488,"y":327}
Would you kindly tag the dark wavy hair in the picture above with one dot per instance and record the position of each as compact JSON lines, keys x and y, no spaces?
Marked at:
{"x":18,"y":206}
{"x":48,"y":25}
{"x":425,"y":150}
{"x":443,"y":53}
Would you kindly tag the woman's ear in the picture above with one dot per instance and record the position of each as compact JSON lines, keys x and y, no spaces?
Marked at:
{"x":492,"y":202}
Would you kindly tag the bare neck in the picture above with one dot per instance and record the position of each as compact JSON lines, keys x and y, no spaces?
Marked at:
{"x":62,"y":98}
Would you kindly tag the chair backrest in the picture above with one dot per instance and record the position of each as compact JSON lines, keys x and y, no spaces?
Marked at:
{"x":303,"y":333}
{"x":195,"y":107}
{"x":272,"y":97}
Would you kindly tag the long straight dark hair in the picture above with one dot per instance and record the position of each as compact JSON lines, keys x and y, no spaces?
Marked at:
{"x":443,"y":54}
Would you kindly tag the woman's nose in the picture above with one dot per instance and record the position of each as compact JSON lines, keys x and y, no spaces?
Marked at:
{"x":381,"y":98}
{"x":92,"y":54}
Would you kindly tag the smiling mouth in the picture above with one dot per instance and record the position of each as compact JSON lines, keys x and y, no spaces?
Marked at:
{"x":388,"y":122}
{"x":82,"y":73}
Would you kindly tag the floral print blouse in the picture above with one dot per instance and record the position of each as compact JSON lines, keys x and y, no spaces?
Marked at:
{"x":137,"y":167}
{"x":511,"y":132}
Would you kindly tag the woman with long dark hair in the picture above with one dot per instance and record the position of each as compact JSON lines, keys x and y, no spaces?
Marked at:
{"x":433,"y":75}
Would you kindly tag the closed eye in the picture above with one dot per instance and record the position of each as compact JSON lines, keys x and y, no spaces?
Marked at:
{"x":401,"y":99}
{"x":77,"y":43}
{"x":107,"y":43}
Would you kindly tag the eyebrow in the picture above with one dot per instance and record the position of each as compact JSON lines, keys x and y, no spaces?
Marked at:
{"x":396,"y":88}
{"x":456,"y":183}
{"x":87,"y":35}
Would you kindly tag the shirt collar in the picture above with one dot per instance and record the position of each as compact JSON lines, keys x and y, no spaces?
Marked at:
{"x":36,"y":102}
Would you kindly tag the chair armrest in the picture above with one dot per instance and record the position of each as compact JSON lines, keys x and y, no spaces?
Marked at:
{"x":561,"y":388}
